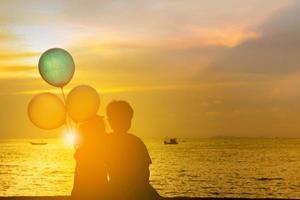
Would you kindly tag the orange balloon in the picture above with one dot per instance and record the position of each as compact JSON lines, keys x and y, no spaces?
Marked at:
{"x":83,"y":103}
{"x":47,"y":111}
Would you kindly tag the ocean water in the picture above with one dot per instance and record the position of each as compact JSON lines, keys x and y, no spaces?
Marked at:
{"x":195,"y":167}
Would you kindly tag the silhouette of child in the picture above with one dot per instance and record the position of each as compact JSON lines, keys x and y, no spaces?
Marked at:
{"x":128,"y":159}
{"x":90,"y":179}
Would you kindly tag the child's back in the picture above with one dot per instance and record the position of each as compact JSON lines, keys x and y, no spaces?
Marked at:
{"x":90,"y":181}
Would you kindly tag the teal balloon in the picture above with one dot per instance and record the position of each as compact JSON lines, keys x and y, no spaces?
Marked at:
{"x":56,"y":67}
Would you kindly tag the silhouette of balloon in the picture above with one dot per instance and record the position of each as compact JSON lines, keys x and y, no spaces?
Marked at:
{"x":82,"y":103}
{"x":56,"y":67}
{"x":46,"y":111}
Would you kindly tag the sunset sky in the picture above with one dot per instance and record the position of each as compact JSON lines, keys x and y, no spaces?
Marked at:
{"x":192,"y":68}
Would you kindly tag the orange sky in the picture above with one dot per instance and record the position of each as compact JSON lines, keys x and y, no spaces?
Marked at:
{"x":191,"y":68}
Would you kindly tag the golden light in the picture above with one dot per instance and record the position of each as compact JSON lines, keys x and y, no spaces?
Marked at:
{"x":70,"y":138}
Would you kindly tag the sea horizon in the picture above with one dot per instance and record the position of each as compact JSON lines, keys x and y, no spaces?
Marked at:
{"x":168,"y":137}
{"x":260,"y":168}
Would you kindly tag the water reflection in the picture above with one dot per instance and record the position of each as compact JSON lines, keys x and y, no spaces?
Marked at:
{"x":203,"y":167}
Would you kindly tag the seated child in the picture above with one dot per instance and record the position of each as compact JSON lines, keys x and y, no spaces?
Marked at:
{"x":90,"y":180}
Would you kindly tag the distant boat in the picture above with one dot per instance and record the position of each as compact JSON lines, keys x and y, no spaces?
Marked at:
{"x":38,"y":143}
{"x":171,"y":141}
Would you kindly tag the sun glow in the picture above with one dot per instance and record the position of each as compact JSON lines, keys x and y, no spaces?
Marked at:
{"x":70,"y":138}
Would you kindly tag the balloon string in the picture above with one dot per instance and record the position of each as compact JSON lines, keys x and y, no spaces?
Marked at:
{"x":63,"y":93}
{"x":68,"y":120}
{"x":65,"y":101}
{"x":64,"y":98}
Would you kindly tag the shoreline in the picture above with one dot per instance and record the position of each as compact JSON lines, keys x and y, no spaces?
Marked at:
{"x":166,"y":198}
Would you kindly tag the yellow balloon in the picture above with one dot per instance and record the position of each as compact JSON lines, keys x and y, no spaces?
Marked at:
{"x":82,"y":103}
{"x":47,"y":111}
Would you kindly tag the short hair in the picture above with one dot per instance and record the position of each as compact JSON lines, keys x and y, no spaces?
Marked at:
{"x":120,"y":108}
{"x":94,"y":124}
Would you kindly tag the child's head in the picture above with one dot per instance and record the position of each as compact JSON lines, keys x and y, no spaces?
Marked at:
{"x":119,"y":115}
{"x":91,"y":130}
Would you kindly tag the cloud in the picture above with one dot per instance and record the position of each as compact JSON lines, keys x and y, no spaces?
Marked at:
{"x":4,"y":36}
{"x":176,"y":23}
{"x":276,"y":51}
{"x":17,"y":68}
{"x":17,"y":65}
{"x":17,"y":55}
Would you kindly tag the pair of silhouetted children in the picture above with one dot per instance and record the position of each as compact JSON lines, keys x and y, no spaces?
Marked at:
{"x":112,"y":166}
